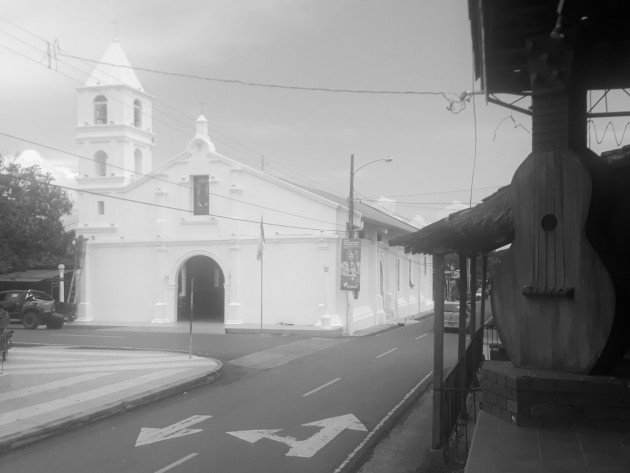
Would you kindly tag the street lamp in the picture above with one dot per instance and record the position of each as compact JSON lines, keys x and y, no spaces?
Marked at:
{"x":388,"y":159}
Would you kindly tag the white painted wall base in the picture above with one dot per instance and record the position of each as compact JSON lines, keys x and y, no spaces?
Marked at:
{"x":159,"y":313}
{"x":84,"y":312}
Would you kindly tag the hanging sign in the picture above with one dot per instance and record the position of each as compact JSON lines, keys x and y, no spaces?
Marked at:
{"x":350,"y":264}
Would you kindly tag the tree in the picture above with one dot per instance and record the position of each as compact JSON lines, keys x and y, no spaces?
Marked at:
{"x":31,"y":208}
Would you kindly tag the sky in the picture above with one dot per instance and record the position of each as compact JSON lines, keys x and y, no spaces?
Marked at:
{"x":443,"y":159}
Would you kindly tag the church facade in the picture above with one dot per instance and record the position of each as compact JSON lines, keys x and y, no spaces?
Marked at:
{"x":185,"y":238}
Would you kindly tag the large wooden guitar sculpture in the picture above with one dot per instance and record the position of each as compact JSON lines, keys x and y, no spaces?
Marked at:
{"x":552,"y":296}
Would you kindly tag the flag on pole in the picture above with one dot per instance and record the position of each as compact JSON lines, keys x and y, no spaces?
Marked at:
{"x":261,"y":242}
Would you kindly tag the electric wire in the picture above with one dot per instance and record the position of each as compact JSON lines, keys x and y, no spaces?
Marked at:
{"x":119,"y":167}
{"x":157,"y":178}
{"x":295,"y":175}
{"x":153,"y":204}
{"x":266,"y":85}
{"x":86,"y":60}
{"x":474,"y":108}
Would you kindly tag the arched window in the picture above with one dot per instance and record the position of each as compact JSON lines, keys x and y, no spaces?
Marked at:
{"x":137,"y":154}
{"x":100,"y":160}
{"x":137,"y":113}
{"x":100,"y":110}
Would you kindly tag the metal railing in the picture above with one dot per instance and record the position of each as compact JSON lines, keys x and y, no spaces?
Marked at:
{"x":457,"y":384}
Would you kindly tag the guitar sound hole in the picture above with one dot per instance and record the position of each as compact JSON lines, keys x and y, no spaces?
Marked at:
{"x":549,"y":222}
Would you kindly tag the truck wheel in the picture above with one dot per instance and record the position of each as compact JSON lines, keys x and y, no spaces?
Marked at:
{"x":30,"y":320}
{"x":55,"y":324}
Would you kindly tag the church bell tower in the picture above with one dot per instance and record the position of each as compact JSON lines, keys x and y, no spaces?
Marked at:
{"x":114,"y":129}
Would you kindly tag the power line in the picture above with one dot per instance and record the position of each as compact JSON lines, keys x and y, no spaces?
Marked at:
{"x":282,"y":168}
{"x":442,"y":192}
{"x":153,"y":204}
{"x":266,"y":85}
{"x":157,"y":178}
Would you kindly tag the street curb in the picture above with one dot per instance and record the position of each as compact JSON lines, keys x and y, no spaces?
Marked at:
{"x":357,"y":460}
{"x":114,"y":408}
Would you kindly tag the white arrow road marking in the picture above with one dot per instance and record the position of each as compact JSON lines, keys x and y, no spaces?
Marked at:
{"x":179,"y":429}
{"x":308,"y":447}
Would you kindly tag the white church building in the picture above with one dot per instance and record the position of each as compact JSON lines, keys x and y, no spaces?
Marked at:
{"x":182,"y":237}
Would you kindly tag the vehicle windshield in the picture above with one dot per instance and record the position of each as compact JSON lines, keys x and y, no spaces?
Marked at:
{"x":42,"y":296}
{"x":451,"y":307}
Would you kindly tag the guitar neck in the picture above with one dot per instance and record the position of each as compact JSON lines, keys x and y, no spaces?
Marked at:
{"x":550,"y":122}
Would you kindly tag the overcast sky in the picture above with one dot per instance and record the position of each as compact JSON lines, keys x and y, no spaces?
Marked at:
{"x":422,"y":46}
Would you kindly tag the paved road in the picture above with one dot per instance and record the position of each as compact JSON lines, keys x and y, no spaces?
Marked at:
{"x":307,"y":405}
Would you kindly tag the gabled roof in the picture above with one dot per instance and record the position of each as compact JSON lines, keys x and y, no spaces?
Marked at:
{"x":368,"y":213}
{"x":114,"y":69}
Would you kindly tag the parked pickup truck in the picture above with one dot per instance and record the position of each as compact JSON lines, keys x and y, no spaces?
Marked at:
{"x":31,"y":308}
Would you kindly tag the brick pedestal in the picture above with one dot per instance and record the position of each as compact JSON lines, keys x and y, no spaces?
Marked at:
{"x":538,"y":398}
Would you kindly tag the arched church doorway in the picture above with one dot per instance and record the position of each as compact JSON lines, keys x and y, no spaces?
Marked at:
{"x":200,"y":290}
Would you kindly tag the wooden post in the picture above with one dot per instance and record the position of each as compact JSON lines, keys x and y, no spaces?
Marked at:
{"x":484,"y":291}
{"x":438,"y":346}
{"x":473,"y":295}
{"x":484,"y":286}
{"x":463,"y":299}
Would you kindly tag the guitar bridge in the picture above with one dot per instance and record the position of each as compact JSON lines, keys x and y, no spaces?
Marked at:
{"x":530,"y":291}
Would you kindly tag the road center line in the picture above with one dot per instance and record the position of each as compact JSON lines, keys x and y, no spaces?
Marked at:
{"x":422,"y":336}
{"x":178,"y":462}
{"x":321,"y":387}
{"x":387,"y":352}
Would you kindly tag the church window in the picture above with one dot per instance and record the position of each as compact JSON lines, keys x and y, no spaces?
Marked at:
{"x":101,"y":207}
{"x":137,"y":113}
{"x":137,"y":154}
{"x":100,"y":160}
{"x":201,"y":195}
{"x":100,"y":110}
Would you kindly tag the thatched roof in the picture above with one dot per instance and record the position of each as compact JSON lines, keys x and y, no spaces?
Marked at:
{"x":479,"y":229}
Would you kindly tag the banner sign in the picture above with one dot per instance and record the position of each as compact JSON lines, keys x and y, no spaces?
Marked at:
{"x":350,"y":264}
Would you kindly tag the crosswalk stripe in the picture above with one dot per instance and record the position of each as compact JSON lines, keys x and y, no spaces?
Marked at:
{"x":39,"y":358}
{"x":62,"y":383}
{"x":39,"y":409}
{"x":90,"y":369}
{"x":78,"y":363}
{"x":68,"y":351}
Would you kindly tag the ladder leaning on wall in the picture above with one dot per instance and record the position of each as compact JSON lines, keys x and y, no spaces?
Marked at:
{"x":75,"y":282}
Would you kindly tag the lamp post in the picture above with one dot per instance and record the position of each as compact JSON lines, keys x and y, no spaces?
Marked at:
{"x":388,"y":159}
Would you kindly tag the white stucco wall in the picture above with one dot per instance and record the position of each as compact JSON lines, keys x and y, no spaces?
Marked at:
{"x":147,"y":233}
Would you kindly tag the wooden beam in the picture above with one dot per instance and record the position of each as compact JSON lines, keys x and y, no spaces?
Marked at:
{"x":438,"y":345}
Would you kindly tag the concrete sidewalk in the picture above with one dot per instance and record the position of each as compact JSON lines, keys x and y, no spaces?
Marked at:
{"x":45,"y":390}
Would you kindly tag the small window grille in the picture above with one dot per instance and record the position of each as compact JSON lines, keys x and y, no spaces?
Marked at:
{"x":137,"y":113}
{"x":201,"y":195}
{"x":100,"y":110}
